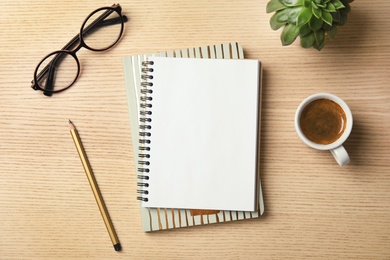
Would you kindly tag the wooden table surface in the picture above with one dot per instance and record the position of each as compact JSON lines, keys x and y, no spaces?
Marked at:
{"x":313,"y":207}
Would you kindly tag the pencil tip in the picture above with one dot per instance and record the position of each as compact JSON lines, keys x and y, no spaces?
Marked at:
{"x":71,"y":125}
{"x":118,"y":247}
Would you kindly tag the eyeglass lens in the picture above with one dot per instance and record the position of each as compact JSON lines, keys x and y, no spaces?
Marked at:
{"x":63,"y":71}
{"x":104,"y":34}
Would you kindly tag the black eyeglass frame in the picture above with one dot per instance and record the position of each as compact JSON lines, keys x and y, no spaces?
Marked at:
{"x":79,"y":38}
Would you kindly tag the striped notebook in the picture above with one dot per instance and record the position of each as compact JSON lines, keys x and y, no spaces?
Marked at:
{"x":162,"y":218}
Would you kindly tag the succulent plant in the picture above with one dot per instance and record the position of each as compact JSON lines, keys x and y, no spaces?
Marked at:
{"x":311,"y":20}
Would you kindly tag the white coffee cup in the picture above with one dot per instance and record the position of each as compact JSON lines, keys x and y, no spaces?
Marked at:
{"x":335,"y":147}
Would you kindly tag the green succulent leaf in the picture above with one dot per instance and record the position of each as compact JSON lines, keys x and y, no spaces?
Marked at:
{"x":338,"y":4}
{"x":308,"y":40}
{"x":343,"y":16}
{"x":330,"y":8}
{"x":319,"y":46}
{"x":317,"y":12}
{"x":283,"y":15}
{"x":315,"y":23}
{"x":274,"y":22}
{"x":293,"y":16}
{"x":291,"y":3}
{"x":275,"y":5}
{"x":304,"y":30}
{"x":322,"y":5}
{"x":327,"y":18}
{"x":326,"y":27}
{"x":304,"y":16}
{"x":336,"y":16}
{"x":319,"y":36}
{"x":289,"y":34}
{"x":332,"y":32}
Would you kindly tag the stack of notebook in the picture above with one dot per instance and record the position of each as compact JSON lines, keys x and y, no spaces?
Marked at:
{"x":195,"y":121}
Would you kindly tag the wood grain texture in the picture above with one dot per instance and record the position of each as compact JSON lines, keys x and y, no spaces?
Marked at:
{"x":314,"y":208}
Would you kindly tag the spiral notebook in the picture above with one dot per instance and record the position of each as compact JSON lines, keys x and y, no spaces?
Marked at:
{"x":164,"y":215}
{"x":199,"y":128}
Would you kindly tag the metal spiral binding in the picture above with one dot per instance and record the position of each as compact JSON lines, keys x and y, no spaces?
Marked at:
{"x":144,"y":141}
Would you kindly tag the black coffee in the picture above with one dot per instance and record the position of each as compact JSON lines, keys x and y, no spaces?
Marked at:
{"x":323,"y":121}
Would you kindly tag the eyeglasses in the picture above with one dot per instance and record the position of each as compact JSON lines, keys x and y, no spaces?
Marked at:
{"x":100,"y":31}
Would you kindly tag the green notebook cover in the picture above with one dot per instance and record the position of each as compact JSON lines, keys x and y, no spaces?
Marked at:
{"x":161,"y":218}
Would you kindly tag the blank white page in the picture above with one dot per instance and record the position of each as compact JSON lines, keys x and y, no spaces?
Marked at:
{"x":204,"y":129}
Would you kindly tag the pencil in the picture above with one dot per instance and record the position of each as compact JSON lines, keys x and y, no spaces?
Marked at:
{"x":95,"y":187}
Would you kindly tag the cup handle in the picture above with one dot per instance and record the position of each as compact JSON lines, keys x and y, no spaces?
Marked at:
{"x":341,"y":155}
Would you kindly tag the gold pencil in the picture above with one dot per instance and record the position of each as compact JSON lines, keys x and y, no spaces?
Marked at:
{"x":95,"y":187}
